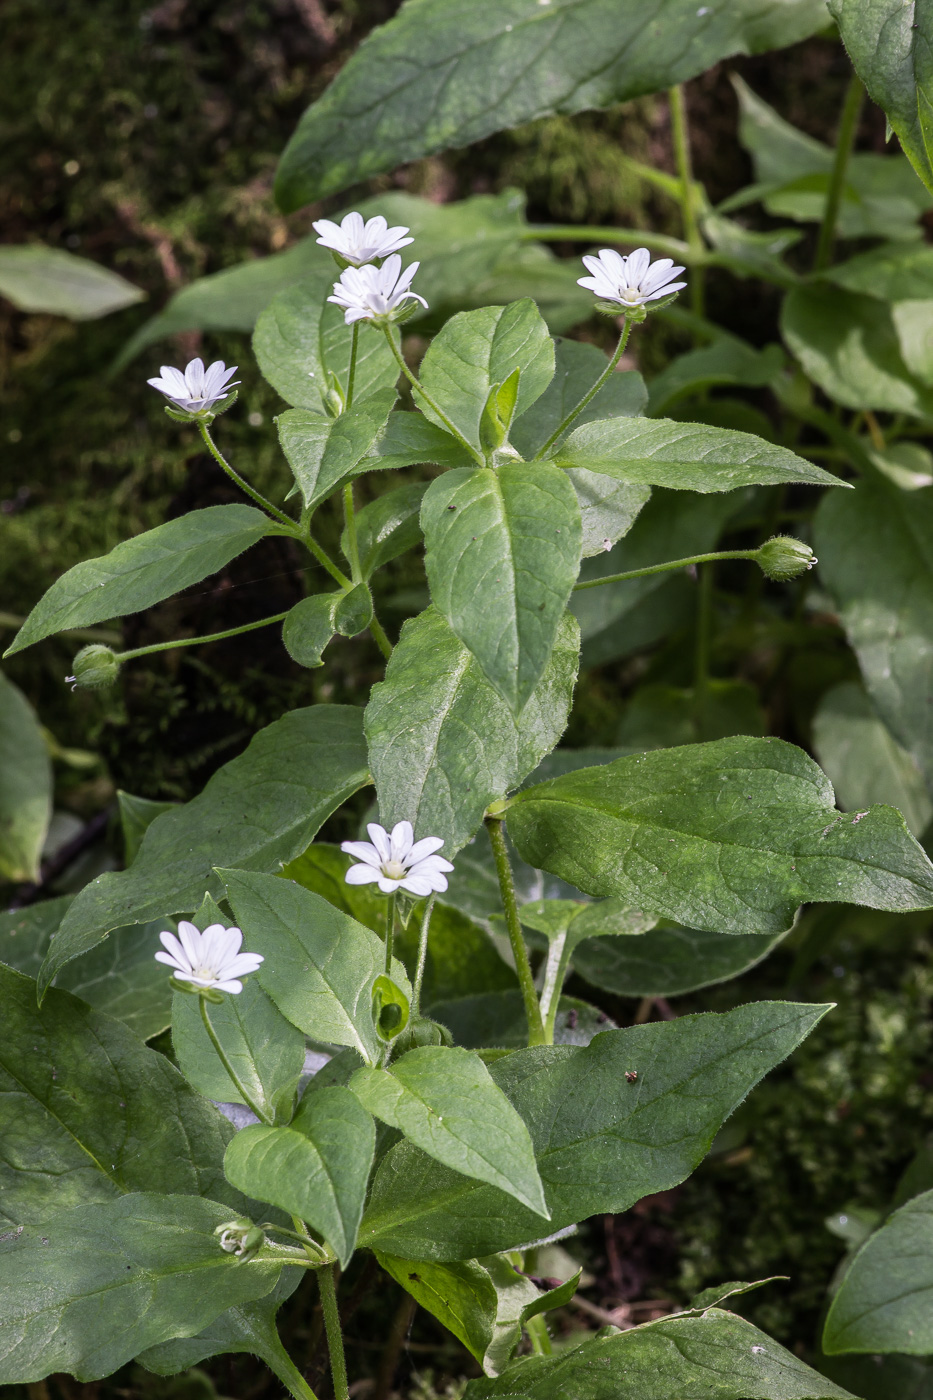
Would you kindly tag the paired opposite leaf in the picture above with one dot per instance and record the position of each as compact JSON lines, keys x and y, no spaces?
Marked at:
{"x":316,"y":1168}
{"x":601,"y":1142}
{"x":87,"y":1290}
{"x":443,"y":743}
{"x":669,"y":961}
{"x":685,"y":456}
{"x":728,"y":836}
{"x":502,"y":554}
{"x":478,"y":351}
{"x":320,"y":965}
{"x":445,"y":1102}
{"x":260,"y":810}
{"x":144,"y":570}
{"x":324,"y":452}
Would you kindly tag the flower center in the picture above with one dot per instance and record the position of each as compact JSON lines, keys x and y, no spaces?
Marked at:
{"x":393,"y":869}
{"x":631,"y":293}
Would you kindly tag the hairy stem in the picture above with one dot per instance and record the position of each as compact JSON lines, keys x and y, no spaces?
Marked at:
{"x":244,"y":486}
{"x":416,"y":384}
{"x":324,"y":559}
{"x":663,"y":568}
{"x":197,"y":641}
{"x":238,"y":1084}
{"x":379,"y":637}
{"x":526,"y":981}
{"x":285,"y":1370}
{"x":353,"y":548}
{"x":848,"y":125}
{"x":591,"y":394}
{"x":704,"y":640}
{"x":354,"y":344}
{"x":338,"y":1362}
{"x":422,"y":956}
{"x":680,"y":132}
{"x":390,"y":931}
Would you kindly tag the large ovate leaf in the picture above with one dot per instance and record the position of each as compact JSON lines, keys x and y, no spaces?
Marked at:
{"x":577,"y":366}
{"x":408,"y":438}
{"x":477,"y":351}
{"x":25,"y":786}
{"x":502,"y":553}
{"x":154,"y":1258}
{"x":684,"y":456}
{"x":669,"y":961}
{"x":324,"y":452}
{"x":716,"y":1356}
{"x":876,"y":557}
{"x":301,"y":340}
{"x":387,"y":527}
{"x":49,"y":280}
{"x":88,"y":1113}
{"x":885,"y":1301}
{"x":443,"y":743}
{"x":445,"y":1102}
{"x":891,"y":47}
{"x":849,"y":345}
{"x":320,"y":965}
{"x":436,"y":77}
{"x":316,"y":1168}
{"x":729,"y":836}
{"x":260,"y":810}
{"x":144,"y":570}
{"x":601,"y":1141}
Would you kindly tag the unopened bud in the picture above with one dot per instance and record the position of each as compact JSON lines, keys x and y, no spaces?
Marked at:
{"x":94,"y":666}
{"x":241,"y":1238}
{"x":783,"y":558}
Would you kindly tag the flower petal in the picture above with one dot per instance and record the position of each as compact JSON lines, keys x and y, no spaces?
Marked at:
{"x":380,"y":839}
{"x":667,"y":291}
{"x":638,"y":264}
{"x":400,"y":841}
{"x":190,"y":937}
{"x":425,"y":847}
{"x":171,"y":962}
{"x":362,"y":850}
{"x":362,"y":875}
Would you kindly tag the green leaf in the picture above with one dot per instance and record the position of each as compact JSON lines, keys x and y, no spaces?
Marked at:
{"x":144,"y":570}
{"x":316,"y":1168}
{"x":320,"y":965}
{"x":577,"y":366}
{"x":498,"y":1019}
{"x":443,"y":744}
{"x":433,"y":77}
{"x":879,"y":1377}
{"x":266,"y":1051}
{"x":890,"y":47}
{"x":477,"y":351}
{"x":608,"y":508}
{"x":601,"y":1142}
{"x":669,"y":962}
{"x":25,"y":786}
{"x":322,"y":452}
{"x":308,"y":628}
{"x":408,"y":438}
{"x":502,"y":554}
{"x":301,"y":340}
{"x":136,"y":816}
{"x":154,"y":1258}
{"x":876,"y":558}
{"x":49,"y":280}
{"x":248,"y":1328}
{"x":388,"y":526}
{"x":728,"y":836}
{"x":354,"y":611}
{"x":883,"y":1303}
{"x":684,"y":456}
{"x":88,"y":1113}
{"x":716,"y":1355}
{"x":848,"y":344}
{"x":660,"y":716}
{"x":727,"y":361}
{"x":260,"y":810}
{"x":445,"y":1102}
{"x":892,"y":272}
{"x":863,"y":761}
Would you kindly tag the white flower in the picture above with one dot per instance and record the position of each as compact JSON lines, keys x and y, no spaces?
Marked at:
{"x":198,"y":388}
{"x":396,"y":861}
{"x":361,"y":243}
{"x":630,"y":281}
{"x":208,"y":959}
{"x":373,"y":293}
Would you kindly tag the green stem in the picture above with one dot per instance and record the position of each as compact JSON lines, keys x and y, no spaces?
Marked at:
{"x":416,"y":385}
{"x":526,"y":981}
{"x":555,"y":970}
{"x":224,"y":1060}
{"x":338,"y":1362}
{"x":324,"y":559}
{"x":354,"y":342}
{"x":197,"y":641}
{"x":283,"y":1367}
{"x":671,"y":564}
{"x":848,"y":126}
{"x":243,"y":485}
{"x":422,"y":956}
{"x":681,"y":137}
{"x":379,"y":637}
{"x":591,"y":394}
{"x":353,"y":547}
{"x":584,"y":233}
{"x":390,"y":931}
{"x":704,"y":638}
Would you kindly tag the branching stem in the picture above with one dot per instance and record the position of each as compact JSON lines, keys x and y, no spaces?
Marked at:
{"x":663,"y":568}
{"x":198,"y":641}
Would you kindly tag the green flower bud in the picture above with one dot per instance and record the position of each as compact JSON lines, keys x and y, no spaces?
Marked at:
{"x":784,"y":558}
{"x":94,"y":666}
{"x":421,"y":1031}
{"x":241,"y":1238}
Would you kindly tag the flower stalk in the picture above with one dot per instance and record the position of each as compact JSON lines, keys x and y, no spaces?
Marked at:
{"x":224,"y":1058}
{"x":416,"y":384}
{"x":526,"y":981}
{"x":244,"y":486}
{"x":565,"y":423}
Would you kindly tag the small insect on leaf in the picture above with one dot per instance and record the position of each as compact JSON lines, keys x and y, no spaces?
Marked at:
{"x":631,"y":1075}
